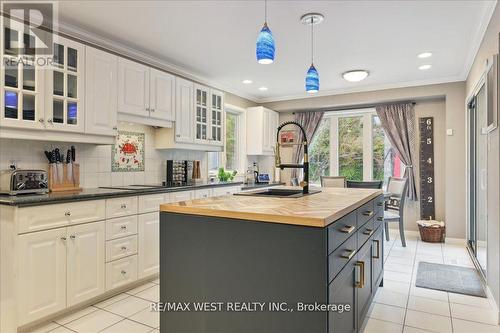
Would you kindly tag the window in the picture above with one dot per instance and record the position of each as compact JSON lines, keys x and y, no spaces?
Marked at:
{"x":352,"y":144}
{"x":230,"y":158}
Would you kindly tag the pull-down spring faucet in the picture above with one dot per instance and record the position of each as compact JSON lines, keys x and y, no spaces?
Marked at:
{"x":305,"y":166}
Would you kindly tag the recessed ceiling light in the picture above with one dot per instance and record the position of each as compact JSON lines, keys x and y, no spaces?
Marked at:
{"x":247,"y":81}
{"x":263,"y":88}
{"x":355,"y":75}
{"x":425,"y":55}
{"x":424,"y":67}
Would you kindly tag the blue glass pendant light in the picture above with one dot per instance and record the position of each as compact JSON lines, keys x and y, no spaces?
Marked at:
{"x":265,"y":43}
{"x":312,"y":76}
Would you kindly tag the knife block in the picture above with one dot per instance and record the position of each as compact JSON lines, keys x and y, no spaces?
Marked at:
{"x":64,"y":177}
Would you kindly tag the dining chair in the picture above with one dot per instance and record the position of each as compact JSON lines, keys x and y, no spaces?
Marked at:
{"x":394,"y":206}
{"x":376,"y":184}
{"x":333,"y":181}
{"x":294,"y":181}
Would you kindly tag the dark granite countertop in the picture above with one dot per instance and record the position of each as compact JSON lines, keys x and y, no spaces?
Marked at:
{"x":247,"y":187}
{"x":98,"y":193}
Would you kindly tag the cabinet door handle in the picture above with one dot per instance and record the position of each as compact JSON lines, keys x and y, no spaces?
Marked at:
{"x":360,"y":265}
{"x":178,"y":135}
{"x":63,"y":239}
{"x":152,"y":110}
{"x":380,"y":218}
{"x":348,"y":229}
{"x":115,"y":128}
{"x":49,"y":121}
{"x":72,"y":236}
{"x":123,"y":272}
{"x":148,"y":109}
{"x":348,"y":254}
{"x":41,"y":120}
{"x":123,"y":206}
{"x":368,"y":232}
{"x":68,"y":213}
{"x":376,"y":241}
{"x":368,"y":213}
{"x":123,"y":227}
{"x":124,"y":248}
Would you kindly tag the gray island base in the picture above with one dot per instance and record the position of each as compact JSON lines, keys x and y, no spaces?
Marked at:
{"x":228,"y":275}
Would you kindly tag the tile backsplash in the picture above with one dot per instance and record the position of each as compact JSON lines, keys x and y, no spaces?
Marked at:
{"x":95,"y":160}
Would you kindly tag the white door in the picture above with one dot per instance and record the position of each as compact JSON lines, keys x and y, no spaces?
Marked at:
{"x":162,"y":95}
{"x":86,"y":264}
{"x":149,"y":244}
{"x":42,"y":274}
{"x":65,"y":87}
{"x":133,"y":88}
{"x":217,"y":118}
{"x":101,"y":71}
{"x":21,"y":86}
{"x":184,"y":115}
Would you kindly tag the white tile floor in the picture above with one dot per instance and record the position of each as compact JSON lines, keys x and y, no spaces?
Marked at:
{"x":399,"y":306}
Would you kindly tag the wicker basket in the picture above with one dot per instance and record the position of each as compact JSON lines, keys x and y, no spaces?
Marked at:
{"x":432,"y":231}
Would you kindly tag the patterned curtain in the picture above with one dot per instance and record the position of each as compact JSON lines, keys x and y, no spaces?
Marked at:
{"x":398,"y":122}
{"x":310,"y":121}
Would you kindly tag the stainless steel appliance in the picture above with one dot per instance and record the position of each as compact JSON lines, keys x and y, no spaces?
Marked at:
{"x":19,"y":181}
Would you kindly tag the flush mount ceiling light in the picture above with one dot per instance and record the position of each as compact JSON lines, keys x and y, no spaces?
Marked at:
{"x":263,"y":88}
{"x":312,"y":75}
{"x":247,"y":81}
{"x":355,"y":75}
{"x":424,"y":67}
{"x":424,"y":55}
{"x":265,"y":48}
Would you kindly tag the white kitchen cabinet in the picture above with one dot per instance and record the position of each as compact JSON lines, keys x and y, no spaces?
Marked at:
{"x":149,"y":244}
{"x":85,"y":265}
{"x":162,"y":95}
{"x":65,"y":87}
{"x":203,"y":193}
{"x":117,"y":207}
{"x":181,"y":196}
{"x":21,"y":85}
{"x":225,"y":190}
{"x":217,"y":117}
{"x":121,"y":272}
{"x":151,"y":203}
{"x":133,"y":88}
{"x":262,"y":125}
{"x":202,"y":118}
{"x":184,"y":111}
{"x":42,"y":274}
{"x":101,"y":71}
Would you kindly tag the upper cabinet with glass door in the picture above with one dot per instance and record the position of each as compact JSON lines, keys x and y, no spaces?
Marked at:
{"x":22,"y":97}
{"x":217,"y":117}
{"x":64,"y":87}
{"x":201,"y":105}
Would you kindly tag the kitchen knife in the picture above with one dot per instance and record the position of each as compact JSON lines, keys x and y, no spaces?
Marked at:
{"x":69,"y":166}
{"x":48,"y":155}
{"x":73,"y":153}
{"x":68,"y":156}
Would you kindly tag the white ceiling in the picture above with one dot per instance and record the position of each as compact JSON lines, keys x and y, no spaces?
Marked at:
{"x":215,"y":40}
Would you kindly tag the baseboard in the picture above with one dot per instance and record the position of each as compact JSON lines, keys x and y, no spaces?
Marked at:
{"x":494,"y":304}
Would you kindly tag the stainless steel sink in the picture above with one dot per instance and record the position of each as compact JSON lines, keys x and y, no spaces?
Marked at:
{"x":278,"y":193}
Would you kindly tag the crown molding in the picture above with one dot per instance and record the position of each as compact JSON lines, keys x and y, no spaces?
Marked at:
{"x":354,"y":90}
{"x":488,"y":10}
{"x":120,"y":48}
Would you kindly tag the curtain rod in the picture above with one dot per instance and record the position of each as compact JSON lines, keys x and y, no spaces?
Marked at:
{"x":354,"y":107}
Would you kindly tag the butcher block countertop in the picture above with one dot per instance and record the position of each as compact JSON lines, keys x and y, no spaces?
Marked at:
{"x":315,"y":210}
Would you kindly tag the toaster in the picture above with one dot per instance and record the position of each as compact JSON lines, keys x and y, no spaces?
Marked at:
{"x":19,"y":181}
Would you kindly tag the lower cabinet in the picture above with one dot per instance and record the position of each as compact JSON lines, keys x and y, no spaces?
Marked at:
{"x":377,"y":257}
{"x":59,"y":268}
{"x":149,"y":244}
{"x":364,"y":281}
{"x":342,"y":290}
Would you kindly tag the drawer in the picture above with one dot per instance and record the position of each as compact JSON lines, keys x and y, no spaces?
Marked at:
{"x":379,"y":203}
{"x":341,"y":256}
{"x":365,"y":232}
{"x":365,"y":213}
{"x":226,"y":190}
{"x":340,"y":230}
{"x":378,"y":219}
{"x":203,"y":194}
{"x":181,"y":196}
{"x":151,"y":203}
{"x":121,"y":272}
{"x":121,"y":207}
{"x":121,"y":227}
{"x":122,"y":247}
{"x":59,"y":215}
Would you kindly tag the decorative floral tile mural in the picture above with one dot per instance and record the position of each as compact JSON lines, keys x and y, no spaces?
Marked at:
{"x":128,"y":152}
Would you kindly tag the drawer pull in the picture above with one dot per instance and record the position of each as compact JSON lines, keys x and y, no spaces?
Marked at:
{"x":63,"y":239}
{"x":72,"y":236}
{"x":348,"y":254}
{"x":376,"y":241}
{"x":123,"y":206}
{"x":124,"y":248}
{"x":361,"y":282}
{"x":68,"y":213}
{"x":368,"y":232}
{"x":348,"y":229}
{"x":368,"y":213}
{"x":380,"y":218}
{"x":123,"y":272}
{"x":123,"y":227}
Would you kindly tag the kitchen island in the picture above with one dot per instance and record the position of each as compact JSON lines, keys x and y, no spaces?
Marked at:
{"x":268,"y":264}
